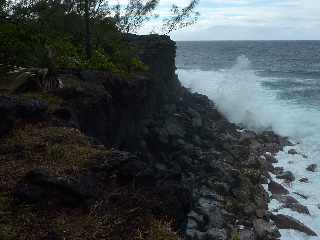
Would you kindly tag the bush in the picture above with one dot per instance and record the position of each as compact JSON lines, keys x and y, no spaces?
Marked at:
{"x":20,"y":45}
{"x":100,"y":61}
{"x":30,"y":44}
{"x":137,"y":65}
{"x":62,"y":53}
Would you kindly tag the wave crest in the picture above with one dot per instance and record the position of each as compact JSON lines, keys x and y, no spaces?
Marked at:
{"x":238,"y":94}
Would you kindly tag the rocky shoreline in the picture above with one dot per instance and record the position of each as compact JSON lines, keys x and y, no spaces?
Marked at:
{"x":121,"y":155}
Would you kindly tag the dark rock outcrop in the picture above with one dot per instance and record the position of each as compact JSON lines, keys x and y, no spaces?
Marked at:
{"x":41,"y":188}
{"x":14,"y":108}
{"x":292,"y":203}
{"x":292,"y":152}
{"x":276,"y":188}
{"x":287,"y":176}
{"x":304,"y":180}
{"x":312,"y":167}
{"x":287,"y":222}
{"x":265,"y":230}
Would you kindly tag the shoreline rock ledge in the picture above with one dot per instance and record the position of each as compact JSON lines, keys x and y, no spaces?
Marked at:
{"x":116,"y":155}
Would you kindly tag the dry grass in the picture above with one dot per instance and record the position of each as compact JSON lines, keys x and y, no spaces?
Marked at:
{"x":25,"y":222}
{"x":66,"y":151}
{"x":160,"y":230}
{"x":59,"y":150}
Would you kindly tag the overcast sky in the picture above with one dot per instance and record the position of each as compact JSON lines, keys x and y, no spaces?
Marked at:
{"x":249,"y":20}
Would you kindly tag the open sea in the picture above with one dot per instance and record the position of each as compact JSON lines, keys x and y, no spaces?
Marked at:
{"x":266,"y":85}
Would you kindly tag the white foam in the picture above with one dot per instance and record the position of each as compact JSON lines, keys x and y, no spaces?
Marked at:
{"x":239,"y":94}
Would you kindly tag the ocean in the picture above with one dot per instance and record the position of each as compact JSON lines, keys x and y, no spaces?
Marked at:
{"x":266,"y":85}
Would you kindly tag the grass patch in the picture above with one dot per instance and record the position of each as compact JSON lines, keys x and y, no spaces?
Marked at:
{"x":161,"y":230}
{"x":59,"y":150}
{"x":66,"y":151}
{"x":24,"y":222}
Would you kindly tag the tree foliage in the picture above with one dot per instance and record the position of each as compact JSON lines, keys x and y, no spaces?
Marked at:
{"x":79,"y":33}
{"x":135,"y":14}
{"x":181,"y":18}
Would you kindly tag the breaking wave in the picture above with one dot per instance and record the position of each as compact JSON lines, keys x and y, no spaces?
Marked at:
{"x":240,"y":93}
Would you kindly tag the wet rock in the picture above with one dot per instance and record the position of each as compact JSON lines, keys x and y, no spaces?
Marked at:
{"x":174,"y":129}
{"x":312,"y":167}
{"x":261,"y":199}
{"x":277,"y":170}
{"x":264,"y":179}
{"x":193,"y":234}
{"x":304,"y":180}
{"x":301,"y":195}
{"x":287,"y":222}
{"x":161,"y":135}
{"x":249,"y":209}
{"x":292,"y":152}
{"x":221,"y":188}
{"x":248,"y":138}
{"x":211,"y":234}
{"x":199,"y":218}
{"x":287,"y":176}
{"x":265,"y":230}
{"x":270,"y":157}
{"x":192,"y":224}
{"x":196,"y":117}
{"x":215,"y":234}
{"x":292,"y":203}
{"x":276,"y":188}
{"x":246,"y":234}
{"x":260,"y":213}
{"x":212,"y":213}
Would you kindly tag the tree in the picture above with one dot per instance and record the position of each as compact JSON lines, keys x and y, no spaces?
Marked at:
{"x":2,"y":9}
{"x":88,"y":46}
{"x":79,"y":33}
{"x":181,"y":18}
{"x":137,"y":12}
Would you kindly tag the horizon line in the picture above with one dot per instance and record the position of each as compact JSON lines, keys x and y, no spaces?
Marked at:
{"x":248,"y":40}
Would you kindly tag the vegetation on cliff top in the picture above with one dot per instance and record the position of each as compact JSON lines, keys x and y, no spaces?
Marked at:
{"x":77,"y":34}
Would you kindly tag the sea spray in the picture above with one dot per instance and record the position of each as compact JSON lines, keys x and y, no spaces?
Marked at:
{"x":242,"y":95}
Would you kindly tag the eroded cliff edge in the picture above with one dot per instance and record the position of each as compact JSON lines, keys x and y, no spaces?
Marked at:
{"x":103,"y":157}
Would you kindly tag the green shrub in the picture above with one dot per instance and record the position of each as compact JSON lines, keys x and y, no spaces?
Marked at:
{"x":100,"y":61}
{"x":137,"y":65}
{"x":64,"y":54}
{"x":32,"y":45}
{"x":20,"y":45}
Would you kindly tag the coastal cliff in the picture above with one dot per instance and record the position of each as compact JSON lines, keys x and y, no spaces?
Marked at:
{"x":108,"y":157}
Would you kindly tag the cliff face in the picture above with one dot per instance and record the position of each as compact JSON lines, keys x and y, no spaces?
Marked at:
{"x":176,"y":161}
{"x":116,"y":113}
